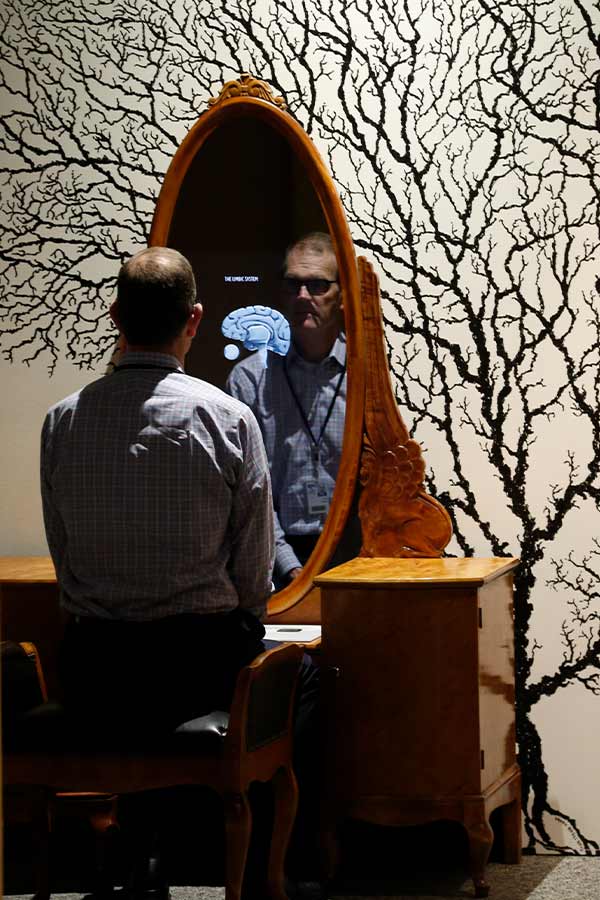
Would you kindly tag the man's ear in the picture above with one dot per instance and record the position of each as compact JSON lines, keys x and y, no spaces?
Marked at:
{"x":194,"y":319}
{"x":114,"y":314}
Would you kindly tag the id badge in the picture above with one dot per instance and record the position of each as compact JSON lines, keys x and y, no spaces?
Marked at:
{"x":317,"y":497}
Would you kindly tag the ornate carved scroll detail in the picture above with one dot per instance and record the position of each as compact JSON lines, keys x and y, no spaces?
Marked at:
{"x":398,"y":517}
{"x":247,"y":86}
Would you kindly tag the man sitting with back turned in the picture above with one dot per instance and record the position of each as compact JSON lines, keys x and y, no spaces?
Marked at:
{"x":158,"y":514}
{"x":300,"y":401}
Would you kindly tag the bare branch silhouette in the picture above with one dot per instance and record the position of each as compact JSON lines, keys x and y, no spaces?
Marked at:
{"x":464,"y":141}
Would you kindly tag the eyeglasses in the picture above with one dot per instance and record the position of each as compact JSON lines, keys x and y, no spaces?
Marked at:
{"x":314,"y":286}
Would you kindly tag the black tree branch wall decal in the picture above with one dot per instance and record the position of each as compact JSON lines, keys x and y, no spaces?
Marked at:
{"x":464,"y":139}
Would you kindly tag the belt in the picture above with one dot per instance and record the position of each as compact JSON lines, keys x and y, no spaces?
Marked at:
{"x":98,"y":620}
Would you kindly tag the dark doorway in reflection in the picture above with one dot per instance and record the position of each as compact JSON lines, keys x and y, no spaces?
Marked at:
{"x":244,"y":199}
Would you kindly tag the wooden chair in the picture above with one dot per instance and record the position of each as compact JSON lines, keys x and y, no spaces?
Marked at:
{"x":225,"y":752}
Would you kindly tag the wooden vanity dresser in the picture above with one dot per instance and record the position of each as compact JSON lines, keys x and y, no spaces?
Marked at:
{"x":418,"y":662}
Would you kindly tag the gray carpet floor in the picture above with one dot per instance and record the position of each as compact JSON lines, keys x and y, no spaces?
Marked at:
{"x":537,"y":878}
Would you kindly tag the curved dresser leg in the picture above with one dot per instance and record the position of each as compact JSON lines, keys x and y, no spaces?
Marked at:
{"x":511,"y":830}
{"x":481,"y":838}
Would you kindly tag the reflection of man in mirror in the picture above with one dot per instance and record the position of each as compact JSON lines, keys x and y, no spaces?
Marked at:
{"x":300,"y":401}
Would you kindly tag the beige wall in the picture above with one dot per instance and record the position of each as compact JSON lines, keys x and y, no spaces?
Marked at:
{"x":469,"y":178}
{"x":26,"y":395}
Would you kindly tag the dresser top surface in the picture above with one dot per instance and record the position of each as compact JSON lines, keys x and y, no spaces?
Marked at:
{"x":27,"y":569}
{"x":15,"y":569}
{"x":423,"y":572}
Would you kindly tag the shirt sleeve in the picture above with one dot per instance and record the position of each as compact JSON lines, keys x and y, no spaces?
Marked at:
{"x":56,"y":535}
{"x":285,"y":558}
{"x":252,"y":528}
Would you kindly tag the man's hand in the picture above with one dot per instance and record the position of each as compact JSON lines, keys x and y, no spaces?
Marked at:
{"x":293,"y":573}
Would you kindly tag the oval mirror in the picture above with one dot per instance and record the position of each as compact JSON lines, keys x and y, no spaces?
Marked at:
{"x":244,"y":185}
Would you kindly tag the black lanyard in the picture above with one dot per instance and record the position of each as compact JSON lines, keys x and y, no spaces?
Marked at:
{"x":316,"y":442}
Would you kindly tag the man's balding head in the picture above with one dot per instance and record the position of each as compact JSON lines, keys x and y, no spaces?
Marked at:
{"x":156,"y":291}
{"x":317,"y":243}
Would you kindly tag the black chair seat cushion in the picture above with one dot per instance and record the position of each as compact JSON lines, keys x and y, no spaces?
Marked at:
{"x":47,"y":728}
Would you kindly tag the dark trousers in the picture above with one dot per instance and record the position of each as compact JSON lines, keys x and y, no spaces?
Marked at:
{"x":143,"y":678}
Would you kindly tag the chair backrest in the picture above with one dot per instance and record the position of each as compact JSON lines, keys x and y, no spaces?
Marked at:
{"x":23,"y":686}
{"x":263,"y":702}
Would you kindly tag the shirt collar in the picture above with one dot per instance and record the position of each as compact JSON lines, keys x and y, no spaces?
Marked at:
{"x":337,"y":353}
{"x":147,"y":358}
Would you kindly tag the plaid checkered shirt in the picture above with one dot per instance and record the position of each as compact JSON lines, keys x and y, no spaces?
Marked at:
{"x":156,"y":496}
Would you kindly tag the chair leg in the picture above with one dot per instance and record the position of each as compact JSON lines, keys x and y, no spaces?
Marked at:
{"x":285,"y":805}
{"x":100,"y":810}
{"x":103,"y":820}
{"x":31,"y":806}
{"x":238,"y":823}
{"x":41,"y":832}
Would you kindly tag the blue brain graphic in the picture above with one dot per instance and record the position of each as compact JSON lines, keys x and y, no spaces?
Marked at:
{"x":258,"y":328}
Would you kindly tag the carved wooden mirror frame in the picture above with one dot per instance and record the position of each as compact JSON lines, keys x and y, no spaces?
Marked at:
{"x":397,"y":517}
